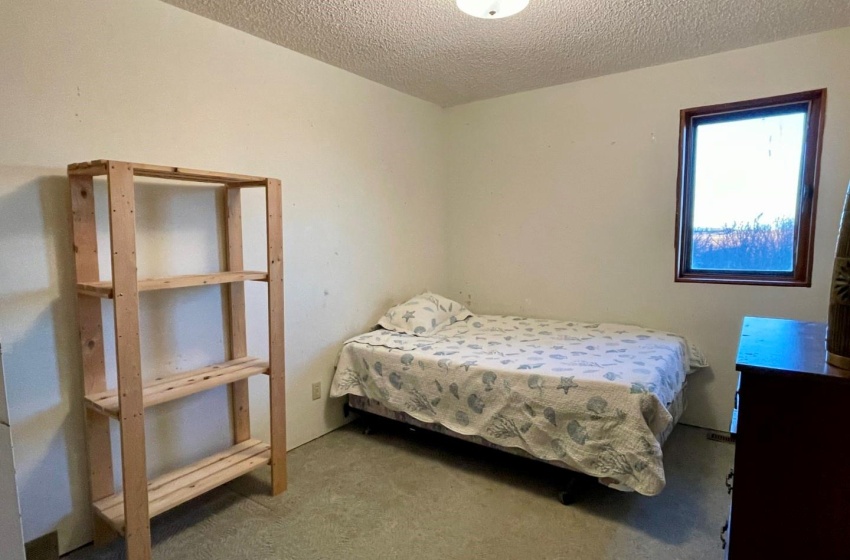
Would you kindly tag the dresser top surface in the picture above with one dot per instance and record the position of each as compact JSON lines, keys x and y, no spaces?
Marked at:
{"x":769,"y":345}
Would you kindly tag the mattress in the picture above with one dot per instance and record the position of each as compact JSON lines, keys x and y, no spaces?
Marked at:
{"x":595,"y":397}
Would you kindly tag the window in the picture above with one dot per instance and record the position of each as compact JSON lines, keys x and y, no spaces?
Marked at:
{"x":748,"y":175}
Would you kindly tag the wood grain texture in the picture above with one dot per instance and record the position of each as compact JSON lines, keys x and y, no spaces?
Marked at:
{"x":90,"y":323}
{"x":90,"y":168}
{"x":791,"y":492}
{"x":122,"y":222}
{"x":180,"y":486}
{"x":105,"y":289}
{"x":99,"y":167}
{"x":238,"y":342}
{"x":277,"y":358}
{"x":130,"y":511}
{"x":173,"y":387}
{"x":187,"y":174}
{"x":785,"y":346}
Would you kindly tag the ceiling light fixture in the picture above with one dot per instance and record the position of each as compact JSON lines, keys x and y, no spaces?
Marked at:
{"x":492,"y":9}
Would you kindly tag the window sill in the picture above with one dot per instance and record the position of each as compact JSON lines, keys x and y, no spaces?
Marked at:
{"x":743,"y":280}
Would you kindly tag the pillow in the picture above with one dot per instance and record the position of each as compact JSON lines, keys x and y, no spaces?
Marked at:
{"x":423,"y":315}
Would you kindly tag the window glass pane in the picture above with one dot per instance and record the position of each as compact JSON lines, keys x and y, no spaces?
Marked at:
{"x":746,"y":182}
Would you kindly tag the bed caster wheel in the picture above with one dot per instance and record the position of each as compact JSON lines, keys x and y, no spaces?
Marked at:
{"x":567,"y":498}
{"x":573,"y":490}
{"x":367,"y":431}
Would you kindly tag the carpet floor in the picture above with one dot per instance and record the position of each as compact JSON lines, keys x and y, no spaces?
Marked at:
{"x":397,"y":494}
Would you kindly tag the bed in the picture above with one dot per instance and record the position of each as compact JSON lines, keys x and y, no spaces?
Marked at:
{"x":599,"y":399}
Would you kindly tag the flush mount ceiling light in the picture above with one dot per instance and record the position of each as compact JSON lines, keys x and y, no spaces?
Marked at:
{"x":492,"y":9}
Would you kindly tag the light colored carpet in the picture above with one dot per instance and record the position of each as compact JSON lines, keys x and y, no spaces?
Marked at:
{"x":398,"y":494}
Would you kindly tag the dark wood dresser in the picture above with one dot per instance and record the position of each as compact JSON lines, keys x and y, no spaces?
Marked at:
{"x":791,"y":486}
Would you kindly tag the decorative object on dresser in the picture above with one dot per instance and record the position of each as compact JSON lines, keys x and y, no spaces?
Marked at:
{"x":791,"y":493}
{"x":838,"y":334}
{"x":129,"y":512}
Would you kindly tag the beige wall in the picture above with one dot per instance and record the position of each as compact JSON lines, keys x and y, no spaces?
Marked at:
{"x":561,"y":204}
{"x":563,"y":200}
{"x":144,"y":81}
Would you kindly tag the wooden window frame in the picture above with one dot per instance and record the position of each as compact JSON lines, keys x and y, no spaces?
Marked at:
{"x":807,"y":192}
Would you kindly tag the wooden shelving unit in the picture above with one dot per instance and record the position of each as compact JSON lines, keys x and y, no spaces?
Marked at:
{"x":128,"y":513}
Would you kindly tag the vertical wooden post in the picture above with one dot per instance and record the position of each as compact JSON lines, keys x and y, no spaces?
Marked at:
{"x":122,"y":222}
{"x":90,"y":323}
{"x":277,"y":379}
{"x":239,"y":404}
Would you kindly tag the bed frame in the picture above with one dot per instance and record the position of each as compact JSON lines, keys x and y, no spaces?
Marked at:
{"x":572,"y":487}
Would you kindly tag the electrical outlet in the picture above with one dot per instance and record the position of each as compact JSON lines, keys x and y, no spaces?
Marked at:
{"x":317,"y":390}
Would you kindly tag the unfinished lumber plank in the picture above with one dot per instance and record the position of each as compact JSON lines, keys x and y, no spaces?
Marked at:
{"x":245,"y":184}
{"x":173,"y":387}
{"x":170,"y":476}
{"x":99,"y":167}
{"x":129,"y":512}
{"x":187,"y":174}
{"x":181,"y":485}
{"x":122,"y":226}
{"x":238,"y":342}
{"x":105,"y":289}
{"x":277,"y":359}
{"x":89,"y":320}
{"x":90,"y":168}
{"x":198,"y":482}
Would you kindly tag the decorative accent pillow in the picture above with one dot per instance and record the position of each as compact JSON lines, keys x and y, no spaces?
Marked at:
{"x":424,"y":315}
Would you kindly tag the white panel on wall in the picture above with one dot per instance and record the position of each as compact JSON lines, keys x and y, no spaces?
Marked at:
{"x":11,"y":533}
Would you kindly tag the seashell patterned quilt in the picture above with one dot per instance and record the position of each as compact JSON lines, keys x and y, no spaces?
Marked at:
{"x":593,"y":396}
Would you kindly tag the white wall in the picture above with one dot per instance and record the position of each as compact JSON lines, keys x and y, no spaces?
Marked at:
{"x":563,"y":200}
{"x":143,"y":81}
{"x":561,"y":205}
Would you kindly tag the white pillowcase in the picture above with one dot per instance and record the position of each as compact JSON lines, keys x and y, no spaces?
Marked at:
{"x":423,"y":315}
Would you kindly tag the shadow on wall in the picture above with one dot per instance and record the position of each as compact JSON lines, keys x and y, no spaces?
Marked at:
{"x":701,"y":384}
{"x":41,"y":351}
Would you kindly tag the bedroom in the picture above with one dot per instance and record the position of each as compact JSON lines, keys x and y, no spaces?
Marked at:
{"x":556,"y":203}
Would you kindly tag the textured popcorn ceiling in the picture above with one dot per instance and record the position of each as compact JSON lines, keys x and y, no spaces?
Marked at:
{"x":431,"y":50}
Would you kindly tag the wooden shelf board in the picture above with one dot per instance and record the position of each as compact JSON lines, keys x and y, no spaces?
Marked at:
{"x":98,"y":167}
{"x":104,"y":288}
{"x":179,"y":486}
{"x":173,"y":387}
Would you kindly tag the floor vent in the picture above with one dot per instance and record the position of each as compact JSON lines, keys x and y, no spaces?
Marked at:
{"x":721,"y":437}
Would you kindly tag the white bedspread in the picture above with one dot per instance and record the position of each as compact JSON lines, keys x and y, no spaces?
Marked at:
{"x":591,"y":395}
